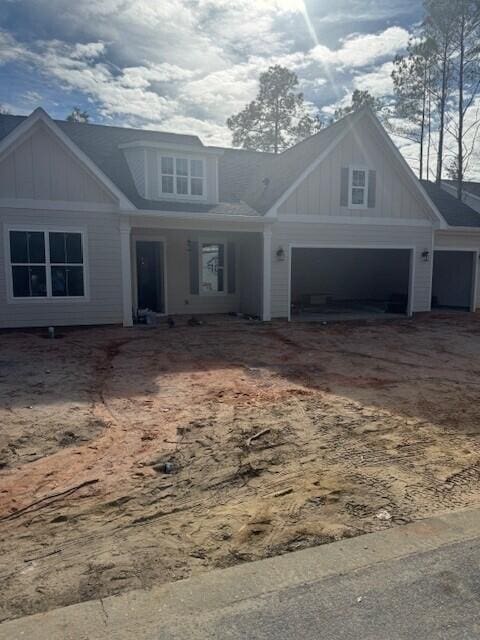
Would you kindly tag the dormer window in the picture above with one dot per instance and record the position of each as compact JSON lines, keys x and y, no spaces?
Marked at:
{"x":358,"y":188}
{"x":182,"y":176}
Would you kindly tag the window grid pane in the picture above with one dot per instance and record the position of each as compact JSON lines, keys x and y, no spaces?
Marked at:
{"x":30,"y":278}
{"x":73,"y":248}
{"x":167,"y":184}
{"x":196,"y":185}
{"x":18,"y":246}
{"x":67,"y":281}
{"x":358,"y":195}
{"x":182,"y":167}
{"x":182,"y":186}
{"x":196,"y":168}
{"x":358,"y":179}
{"x":167,"y":165}
{"x":57,"y":248}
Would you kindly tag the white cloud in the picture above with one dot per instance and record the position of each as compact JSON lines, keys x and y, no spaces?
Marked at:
{"x":88,"y":51}
{"x":363,"y":50}
{"x":10,"y":49}
{"x":377,"y":82}
{"x":179,"y":63}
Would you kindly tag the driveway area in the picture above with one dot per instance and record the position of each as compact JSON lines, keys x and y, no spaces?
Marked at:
{"x":130,"y":458}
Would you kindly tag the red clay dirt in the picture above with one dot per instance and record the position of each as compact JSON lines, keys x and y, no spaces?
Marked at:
{"x":275,"y":438}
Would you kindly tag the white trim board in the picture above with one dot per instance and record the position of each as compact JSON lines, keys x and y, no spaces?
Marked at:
{"x":57,"y":205}
{"x":39,"y":115}
{"x":211,"y":217}
{"x":367,"y":246}
{"x":353,"y":220}
{"x":172,"y":146}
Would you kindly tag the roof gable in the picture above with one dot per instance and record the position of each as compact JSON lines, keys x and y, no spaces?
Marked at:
{"x":19,"y":130}
{"x":352,"y":128}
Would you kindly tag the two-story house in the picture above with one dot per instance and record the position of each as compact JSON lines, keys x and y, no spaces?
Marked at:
{"x":100,"y":222}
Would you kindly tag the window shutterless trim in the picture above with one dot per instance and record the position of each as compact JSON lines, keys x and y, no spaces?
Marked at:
{"x":46,"y":229}
{"x":174,"y":176}
{"x":351,"y":186}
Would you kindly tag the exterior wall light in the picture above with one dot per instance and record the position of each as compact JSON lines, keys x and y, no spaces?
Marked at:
{"x":280,"y":254}
{"x":425,"y":255}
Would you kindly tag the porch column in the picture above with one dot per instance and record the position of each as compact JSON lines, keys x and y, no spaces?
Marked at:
{"x":126,"y":256}
{"x":267,"y":276}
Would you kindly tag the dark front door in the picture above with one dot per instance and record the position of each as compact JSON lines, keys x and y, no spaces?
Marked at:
{"x":149,"y":275}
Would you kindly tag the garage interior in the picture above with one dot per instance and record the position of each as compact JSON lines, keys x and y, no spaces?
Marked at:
{"x":338,"y":284}
{"x":452,"y":282}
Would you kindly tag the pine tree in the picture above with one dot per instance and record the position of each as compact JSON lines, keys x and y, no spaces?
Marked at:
{"x":277,"y":118}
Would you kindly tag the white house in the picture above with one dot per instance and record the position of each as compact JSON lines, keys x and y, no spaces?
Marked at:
{"x":98,"y":222}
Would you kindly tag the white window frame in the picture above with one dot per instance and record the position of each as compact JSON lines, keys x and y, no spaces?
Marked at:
{"x":351,"y":186}
{"x":201,"y":242}
{"x":46,"y":230}
{"x":189,"y":177}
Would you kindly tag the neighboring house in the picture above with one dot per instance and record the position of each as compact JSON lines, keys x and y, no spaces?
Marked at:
{"x":98,"y":222}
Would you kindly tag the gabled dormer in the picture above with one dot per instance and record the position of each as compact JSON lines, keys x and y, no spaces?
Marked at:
{"x":177,"y":172}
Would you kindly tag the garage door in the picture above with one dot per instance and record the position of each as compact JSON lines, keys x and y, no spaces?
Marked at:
{"x":350,"y":282}
{"x":453,"y":279}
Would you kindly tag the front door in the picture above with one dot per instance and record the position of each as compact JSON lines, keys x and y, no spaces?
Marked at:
{"x":150,"y":275}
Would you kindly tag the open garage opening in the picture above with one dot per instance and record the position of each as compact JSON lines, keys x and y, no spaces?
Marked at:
{"x":453,"y":280}
{"x":340,"y":283}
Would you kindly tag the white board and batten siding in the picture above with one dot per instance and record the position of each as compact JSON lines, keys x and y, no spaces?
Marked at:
{"x":395,"y":196}
{"x":399,"y":217}
{"x":43,"y":187}
{"x":39,"y":168}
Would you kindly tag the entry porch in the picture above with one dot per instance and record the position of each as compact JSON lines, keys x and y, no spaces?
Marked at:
{"x":171,"y":269}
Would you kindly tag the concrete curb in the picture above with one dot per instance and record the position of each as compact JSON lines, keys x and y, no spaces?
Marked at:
{"x":143,"y":614}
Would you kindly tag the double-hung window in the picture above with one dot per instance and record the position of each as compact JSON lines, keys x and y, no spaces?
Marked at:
{"x":47,"y":264}
{"x":182,"y":176}
{"x":212,"y":268}
{"x":358,"y":188}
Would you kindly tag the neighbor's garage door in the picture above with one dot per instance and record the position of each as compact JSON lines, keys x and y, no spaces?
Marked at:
{"x":453,"y":279}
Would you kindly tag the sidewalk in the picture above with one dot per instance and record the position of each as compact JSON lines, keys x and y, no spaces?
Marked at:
{"x":264,"y":599}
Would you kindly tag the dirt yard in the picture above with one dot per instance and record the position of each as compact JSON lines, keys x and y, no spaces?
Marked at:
{"x":134,"y":457}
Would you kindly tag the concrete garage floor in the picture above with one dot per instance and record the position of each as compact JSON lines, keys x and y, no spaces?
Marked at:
{"x":341,"y":311}
{"x":343,"y":316}
{"x":130,"y":458}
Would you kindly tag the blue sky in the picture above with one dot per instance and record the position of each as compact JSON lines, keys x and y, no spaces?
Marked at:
{"x":187,"y":65}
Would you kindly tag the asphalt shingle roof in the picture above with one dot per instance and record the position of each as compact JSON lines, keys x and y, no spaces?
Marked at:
{"x":102,"y":145}
{"x":455,"y":212}
{"x":468,"y":185}
{"x":260,"y":178}
{"x":250,"y":182}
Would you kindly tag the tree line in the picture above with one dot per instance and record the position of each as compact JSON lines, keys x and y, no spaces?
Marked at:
{"x":436,"y":97}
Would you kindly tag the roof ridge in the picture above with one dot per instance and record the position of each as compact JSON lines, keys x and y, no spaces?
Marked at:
{"x":109,"y":126}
